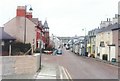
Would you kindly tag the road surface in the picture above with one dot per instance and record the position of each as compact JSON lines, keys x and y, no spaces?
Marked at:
{"x":80,"y":67}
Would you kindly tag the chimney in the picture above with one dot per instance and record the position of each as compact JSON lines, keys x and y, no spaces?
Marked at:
{"x":29,"y":15}
{"x":107,"y":19}
{"x":20,"y":11}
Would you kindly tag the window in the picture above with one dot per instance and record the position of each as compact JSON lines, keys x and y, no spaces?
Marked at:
{"x":98,"y":54}
{"x":102,"y":44}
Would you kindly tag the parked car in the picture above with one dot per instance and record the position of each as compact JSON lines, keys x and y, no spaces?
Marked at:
{"x":48,"y":52}
{"x":59,"y":51}
{"x":67,"y":47}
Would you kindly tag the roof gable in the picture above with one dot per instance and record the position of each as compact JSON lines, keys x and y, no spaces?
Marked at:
{"x":4,"y":35}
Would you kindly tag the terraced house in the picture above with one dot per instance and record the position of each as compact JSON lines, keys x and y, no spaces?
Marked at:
{"x":107,"y":40}
{"x":103,"y":42}
{"x":27,"y":29}
{"x":91,"y":42}
{"x":105,"y":47}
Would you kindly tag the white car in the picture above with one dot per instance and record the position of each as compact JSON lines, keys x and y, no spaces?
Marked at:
{"x":59,"y":51}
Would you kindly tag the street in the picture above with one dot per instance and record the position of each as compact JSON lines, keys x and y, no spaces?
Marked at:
{"x":79,"y":67}
{"x":60,"y":40}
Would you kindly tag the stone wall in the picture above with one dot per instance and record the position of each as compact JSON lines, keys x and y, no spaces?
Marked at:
{"x":27,"y":64}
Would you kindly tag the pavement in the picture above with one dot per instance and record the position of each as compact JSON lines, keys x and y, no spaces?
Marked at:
{"x":48,"y":71}
{"x":104,"y":61}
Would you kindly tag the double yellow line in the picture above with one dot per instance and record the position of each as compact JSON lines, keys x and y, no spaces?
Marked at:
{"x":68,"y":76}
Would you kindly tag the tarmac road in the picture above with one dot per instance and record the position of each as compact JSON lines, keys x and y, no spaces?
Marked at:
{"x":78,"y":67}
{"x":85,"y":68}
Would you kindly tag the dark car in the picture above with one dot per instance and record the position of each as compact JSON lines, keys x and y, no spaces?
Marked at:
{"x":67,"y":47}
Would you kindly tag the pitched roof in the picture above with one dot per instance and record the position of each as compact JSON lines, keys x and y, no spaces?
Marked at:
{"x":45,"y":25}
{"x":35,"y":20}
{"x":108,"y":28}
{"x":4,"y":35}
{"x":117,"y":28}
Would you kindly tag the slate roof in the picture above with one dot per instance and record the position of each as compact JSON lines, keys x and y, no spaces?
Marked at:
{"x":108,"y":28}
{"x":118,"y":28}
{"x":4,"y":35}
{"x":35,"y":20}
{"x":46,"y":25}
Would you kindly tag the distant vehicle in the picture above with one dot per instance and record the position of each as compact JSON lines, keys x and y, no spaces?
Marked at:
{"x":67,"y":47}
{"x":59,"y":51}
{"x":48,"y":52}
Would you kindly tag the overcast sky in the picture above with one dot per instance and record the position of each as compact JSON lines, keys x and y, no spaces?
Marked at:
{"x":65,"y":17}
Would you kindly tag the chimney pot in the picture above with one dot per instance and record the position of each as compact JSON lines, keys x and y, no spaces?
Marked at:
{"x":107,"y":19}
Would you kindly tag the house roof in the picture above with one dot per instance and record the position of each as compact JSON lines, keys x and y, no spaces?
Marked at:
{"x":108,"y":28}
{"x":117,"y":28}
{"x":4,"y":35}
{"x":35,"y":21}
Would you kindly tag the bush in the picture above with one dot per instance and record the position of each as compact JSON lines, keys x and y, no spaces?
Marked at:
{"x":19,"y":48}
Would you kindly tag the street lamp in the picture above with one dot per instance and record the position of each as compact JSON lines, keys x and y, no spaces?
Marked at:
{"x":10,"y":42}
{"x":84,"y":30}
{"x":40,"y":46}
{"x":39,"y":42}
{"x":25,"y":21}
{"x":85,"y":41}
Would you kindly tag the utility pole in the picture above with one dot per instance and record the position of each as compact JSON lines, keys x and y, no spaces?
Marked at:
{"x":25,"y":22}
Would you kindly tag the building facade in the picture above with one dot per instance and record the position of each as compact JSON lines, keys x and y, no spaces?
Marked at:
{"x":116,"y":41}
{"x":105,"y":47}
{"x":91,"y":41}
{"x":26,"y":29}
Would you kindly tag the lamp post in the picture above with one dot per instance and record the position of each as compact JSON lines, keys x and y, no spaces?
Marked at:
{"x":85,"y":41}
{"x":40,"y":47}
{"x":40,"y":51}
{"x":84,"y":30}
{"x":10,"y":47}
{"x":25,"y":21}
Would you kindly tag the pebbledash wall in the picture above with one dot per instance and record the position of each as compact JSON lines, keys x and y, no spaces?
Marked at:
{"x":28,"y":64}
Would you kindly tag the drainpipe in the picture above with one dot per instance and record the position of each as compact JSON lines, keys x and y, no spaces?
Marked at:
{"x":109,"y":53}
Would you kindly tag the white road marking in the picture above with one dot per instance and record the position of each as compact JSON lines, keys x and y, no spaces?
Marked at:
{"x":61,"y":77}
{"x":64,"y":72}
{"x":68,"y":76}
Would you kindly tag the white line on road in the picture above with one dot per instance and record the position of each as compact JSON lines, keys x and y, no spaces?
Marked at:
{"x":64,"y":72}
{"x":68,"y":76}
{"x":61,"y":77}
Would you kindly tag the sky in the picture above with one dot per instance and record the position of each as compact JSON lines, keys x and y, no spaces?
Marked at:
{"x":64,"y":17}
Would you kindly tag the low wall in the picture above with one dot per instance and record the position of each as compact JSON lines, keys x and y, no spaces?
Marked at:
{"x":27,"y":64}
